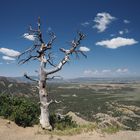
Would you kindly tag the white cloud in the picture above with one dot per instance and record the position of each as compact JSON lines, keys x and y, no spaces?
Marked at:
{"x":102,"y":20}
{"x":84,"y":49}
{"x":125,"y":31}
{"x":7,"y":63}
{"x":126,"y":21}
{"x":8,"y":58}
{"x":121,"y":32}
{"x":90,"y":72}
{"x":125,"y":70}
{"x":9,"y":52}
{"x":117,"y":42}
{"x":30,"y":37}
{"x":119,"y":70}
{"x":112,"y":35}
{"x":107,"y":72}
{"x":85,"y":24}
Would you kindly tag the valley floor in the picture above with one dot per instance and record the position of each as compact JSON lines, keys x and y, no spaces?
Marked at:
{"x":10,"y":131}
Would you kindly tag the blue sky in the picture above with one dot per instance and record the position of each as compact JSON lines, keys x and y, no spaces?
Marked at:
{"x":111,"y":28}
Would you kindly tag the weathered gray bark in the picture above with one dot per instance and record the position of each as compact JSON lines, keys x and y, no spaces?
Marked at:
{"x":44,"y":116}
{"x":41,"y":49}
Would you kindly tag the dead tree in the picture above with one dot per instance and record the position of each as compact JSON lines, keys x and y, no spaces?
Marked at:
{"x":42,"y":52}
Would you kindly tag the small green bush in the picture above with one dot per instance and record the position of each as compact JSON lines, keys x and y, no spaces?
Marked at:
{"x":23,"y":111}
{"x":62,"y":123}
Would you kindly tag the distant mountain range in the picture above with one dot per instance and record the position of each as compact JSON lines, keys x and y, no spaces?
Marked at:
{"x":77,"y":80}
{"x":20,"y":86}
{"x":105,"y":80}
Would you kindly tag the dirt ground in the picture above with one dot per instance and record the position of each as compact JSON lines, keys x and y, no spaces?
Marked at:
{"x":10,"y":131}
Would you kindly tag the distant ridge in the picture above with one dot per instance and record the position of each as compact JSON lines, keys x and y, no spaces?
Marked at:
{"x":14,"y":86}
{"x":105,"y":80}
{"x":22,"y":79}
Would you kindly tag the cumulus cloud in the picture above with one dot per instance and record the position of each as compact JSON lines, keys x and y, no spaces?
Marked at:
{"x":121,"y":32}
{"x":9,"y":52}
{"x":112,"y":35}
{"x":85,"y":24}
{"x":29,"y":36}
{"x":125,"y":31}
{"x":98,"y":73}
{"x":102,"y":20}
{"x":8,"y":58}
{"x":90,"y":72}
{"x":126,"y":21}
{"x":125,"y":70}
{"x":107,"y":72}
{"x":117,"y":42}
{"x":84,"y":49}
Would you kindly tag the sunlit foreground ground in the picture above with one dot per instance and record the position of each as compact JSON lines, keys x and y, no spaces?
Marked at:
{"x":10,"y":131}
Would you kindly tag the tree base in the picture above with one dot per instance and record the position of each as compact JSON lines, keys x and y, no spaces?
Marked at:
{"x":47,"y":127}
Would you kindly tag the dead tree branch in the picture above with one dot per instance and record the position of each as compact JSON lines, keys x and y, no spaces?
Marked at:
{"x":22,"y":61}
{"x":39,"y":48}
{"x":29,"y":50}
{"x":67,"y":53}
{"x":50,"y":60}
{"x":26,"y":76}
{"x":53,"y":77}
{"x":41,"y":51}
{"x":50,"y":102}
{"x":54,"y":101}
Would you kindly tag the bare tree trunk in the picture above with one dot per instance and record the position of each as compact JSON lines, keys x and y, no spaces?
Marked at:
{"x":41,"y":48}
{"x":44,"y":117}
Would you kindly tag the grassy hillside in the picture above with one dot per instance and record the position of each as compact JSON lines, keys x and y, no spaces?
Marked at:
{"x":14,"y":87}
{"x":120,"y":101}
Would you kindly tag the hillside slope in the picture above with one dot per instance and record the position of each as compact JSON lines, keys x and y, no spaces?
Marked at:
{"x":10,"y":131}
{"x":15,"y":87}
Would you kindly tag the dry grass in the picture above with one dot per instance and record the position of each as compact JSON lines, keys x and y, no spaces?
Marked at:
{"x":10,"y":131}
{"x":70,"y":131}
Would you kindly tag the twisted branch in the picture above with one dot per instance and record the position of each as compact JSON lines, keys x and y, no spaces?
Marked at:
{"x":53,"y":77}
{"x":26,"y":76}
{"x":40,"y":46}
{"x":67,"y":53}
{"x":50,"y":102}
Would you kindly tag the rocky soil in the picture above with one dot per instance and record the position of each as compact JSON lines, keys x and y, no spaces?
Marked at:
{"x":10,"y":131}
{"x":119,"y":115}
